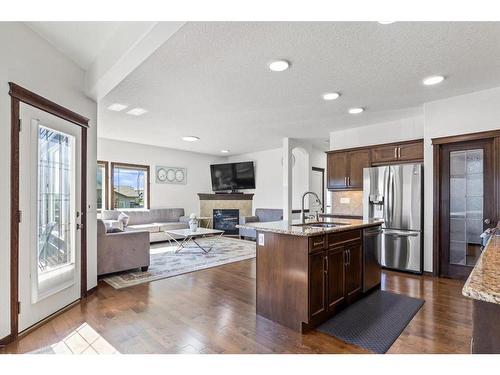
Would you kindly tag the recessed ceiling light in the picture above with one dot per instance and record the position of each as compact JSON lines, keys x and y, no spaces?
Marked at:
{"x":190,"y":138}
{"x":355,"y":111}
{"x":117,"y":107}
{"x":137,"y":111}
{"x":279,"y":65}
{"x":386,"y":22}
{"x":331,"y":95}
{"x":224,"y":151}
{"x":433,"y":80}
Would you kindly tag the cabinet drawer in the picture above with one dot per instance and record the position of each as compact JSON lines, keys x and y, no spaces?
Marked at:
{"x":317,"y":243}
{"x":384,"y":154}
{"x":342,"y":237}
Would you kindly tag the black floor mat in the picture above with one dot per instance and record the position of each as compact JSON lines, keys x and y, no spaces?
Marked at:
{"x":374,"y":322}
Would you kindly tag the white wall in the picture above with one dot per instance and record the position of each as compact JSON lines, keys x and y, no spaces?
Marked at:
{"x":165,"y":195}
{"x":385,"y":132}
{"x":475,"y":112}
{"x":470,"y":113}
{"x":31,"y":62}
{"x":268,"y":175}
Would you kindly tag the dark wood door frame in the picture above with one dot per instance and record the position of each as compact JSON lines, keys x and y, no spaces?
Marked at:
{"x":19,"y":95}
{"x":322,"y":170}
{"x":438,"y":143}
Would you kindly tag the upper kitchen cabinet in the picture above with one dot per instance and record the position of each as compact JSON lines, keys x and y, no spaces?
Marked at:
{"x":345,"y":169}
{"x":402,"y":152}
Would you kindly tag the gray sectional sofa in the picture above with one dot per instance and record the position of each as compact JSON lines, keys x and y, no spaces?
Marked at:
{"x":155,"y":221}
{"x":262,"y":215}
{"x":121,"y":251}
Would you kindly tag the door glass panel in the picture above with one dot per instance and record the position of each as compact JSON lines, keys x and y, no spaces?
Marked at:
{"x":56,"y":212}
{"x":466,"y":205}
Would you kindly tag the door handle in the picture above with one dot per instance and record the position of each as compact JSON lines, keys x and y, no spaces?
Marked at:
{"x":79,"y":226}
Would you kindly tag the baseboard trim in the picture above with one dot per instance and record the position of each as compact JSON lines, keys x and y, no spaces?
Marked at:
{"x":6,"y":340}
{"x":92,"y":290}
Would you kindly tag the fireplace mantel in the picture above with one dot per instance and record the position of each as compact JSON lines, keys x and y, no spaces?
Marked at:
{"x":225,"y":197}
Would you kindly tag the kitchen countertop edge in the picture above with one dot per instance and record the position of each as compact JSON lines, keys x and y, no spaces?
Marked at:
{"x":483,"y":283}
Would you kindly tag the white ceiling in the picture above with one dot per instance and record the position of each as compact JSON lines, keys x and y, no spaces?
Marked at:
{"x":210,"y":79}
{"x":82,"y":42}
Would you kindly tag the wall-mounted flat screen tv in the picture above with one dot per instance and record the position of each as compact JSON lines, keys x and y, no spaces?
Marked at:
{"x":232,"y":176}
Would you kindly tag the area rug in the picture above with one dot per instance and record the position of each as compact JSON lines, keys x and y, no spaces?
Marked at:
{"x":374,"y":322}
{"x":166,"y":263}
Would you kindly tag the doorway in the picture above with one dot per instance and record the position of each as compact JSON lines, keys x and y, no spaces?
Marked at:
{"x":466,"y":203}
{"x":318,"y":186}
{"x":47,"y":208}
{"x":49,"y":199}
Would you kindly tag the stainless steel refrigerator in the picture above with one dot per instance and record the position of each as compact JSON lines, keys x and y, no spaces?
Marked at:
{"x":394,"y":193}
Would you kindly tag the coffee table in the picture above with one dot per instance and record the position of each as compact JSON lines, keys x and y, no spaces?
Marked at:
{"x":188,"y":236}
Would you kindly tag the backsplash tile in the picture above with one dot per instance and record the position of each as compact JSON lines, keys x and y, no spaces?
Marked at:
{"x":339,"y":200}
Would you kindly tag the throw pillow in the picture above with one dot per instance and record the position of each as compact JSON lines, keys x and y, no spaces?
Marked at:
{"x":109,"y":215}
{"x":124,"y":218}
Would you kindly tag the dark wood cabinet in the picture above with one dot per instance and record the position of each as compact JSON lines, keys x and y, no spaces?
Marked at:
{"x":400,"y":152}
{"x":354,"y":269}
{"x":335,"y":274}
{"x":345,"y":169}
{"x":317,"y":284}
{"x":336,"y":277}
{"x":411,"y":151}
{"x":337,"y":170}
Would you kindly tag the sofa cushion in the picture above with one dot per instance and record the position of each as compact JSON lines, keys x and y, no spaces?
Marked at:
{"x":152,"y":228}
{"x":109,"y":214}
{"x":172,"y":226}
{"x":114,"y":230}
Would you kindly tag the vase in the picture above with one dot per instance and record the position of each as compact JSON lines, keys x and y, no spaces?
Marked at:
{"x":193,"y":225}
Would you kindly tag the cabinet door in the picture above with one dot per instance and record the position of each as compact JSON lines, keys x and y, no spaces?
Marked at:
{"x":336,"y":277}
{"x":384,"y":154}
{"x":411,"y":151}
{"x":317,"y":284}
{"x":357,"y":160}
{"x":337,"y":170}
{"x":354,"y":269}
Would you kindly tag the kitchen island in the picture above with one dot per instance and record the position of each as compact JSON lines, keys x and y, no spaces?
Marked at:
{"x":308,"y":272}
{"x":483,"y":286}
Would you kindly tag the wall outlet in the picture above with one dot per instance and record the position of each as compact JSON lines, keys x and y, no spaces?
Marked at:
{"x":345,"y":200}
{"x":261,"y":239}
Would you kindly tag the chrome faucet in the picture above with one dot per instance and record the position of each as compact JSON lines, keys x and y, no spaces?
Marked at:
{"x":302,"y":211}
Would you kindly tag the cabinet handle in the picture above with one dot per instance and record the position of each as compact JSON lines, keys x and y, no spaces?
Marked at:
{"x":348,"y":181}
{"x":395,"y":152}
{"x":345,"y":181}
{"x":399,"y":152}
{"x":326,"y":264}
{"x":318,"y":243}
{"x":349,"y":257}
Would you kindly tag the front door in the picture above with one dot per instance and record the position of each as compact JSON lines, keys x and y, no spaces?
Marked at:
{"x":467,"y":209}
{"x":49,"y":200}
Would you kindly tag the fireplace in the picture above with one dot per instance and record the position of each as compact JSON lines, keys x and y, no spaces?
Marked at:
{"x":226,"y":220}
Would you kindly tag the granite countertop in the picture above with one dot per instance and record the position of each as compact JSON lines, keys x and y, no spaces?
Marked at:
{"x":298,"y":229}
{"x":483,"y":283}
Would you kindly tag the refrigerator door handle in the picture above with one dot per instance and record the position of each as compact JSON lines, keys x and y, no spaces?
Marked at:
{"x":401,"y":234}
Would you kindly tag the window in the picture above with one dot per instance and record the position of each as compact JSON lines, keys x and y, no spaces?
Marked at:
{"x":102,"y":185}
{"x":129,"y":185}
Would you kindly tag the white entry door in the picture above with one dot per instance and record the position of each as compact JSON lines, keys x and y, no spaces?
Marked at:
{"x":49,"y":200}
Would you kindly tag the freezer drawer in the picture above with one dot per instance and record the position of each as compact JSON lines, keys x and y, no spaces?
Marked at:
{"x":401,"y":250}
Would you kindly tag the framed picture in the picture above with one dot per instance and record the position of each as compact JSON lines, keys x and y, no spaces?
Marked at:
{"x":171,"y":175}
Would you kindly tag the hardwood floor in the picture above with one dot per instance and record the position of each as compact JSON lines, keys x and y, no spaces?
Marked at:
{"x":213,"y":311}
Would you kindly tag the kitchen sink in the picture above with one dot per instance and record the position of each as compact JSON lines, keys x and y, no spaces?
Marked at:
{"x":322,"y":225}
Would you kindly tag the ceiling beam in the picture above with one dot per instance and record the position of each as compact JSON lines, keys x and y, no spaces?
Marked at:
{"x":128,"y":48}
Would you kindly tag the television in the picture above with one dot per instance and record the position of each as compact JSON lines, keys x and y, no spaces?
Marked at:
{"x":232,"y":176}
